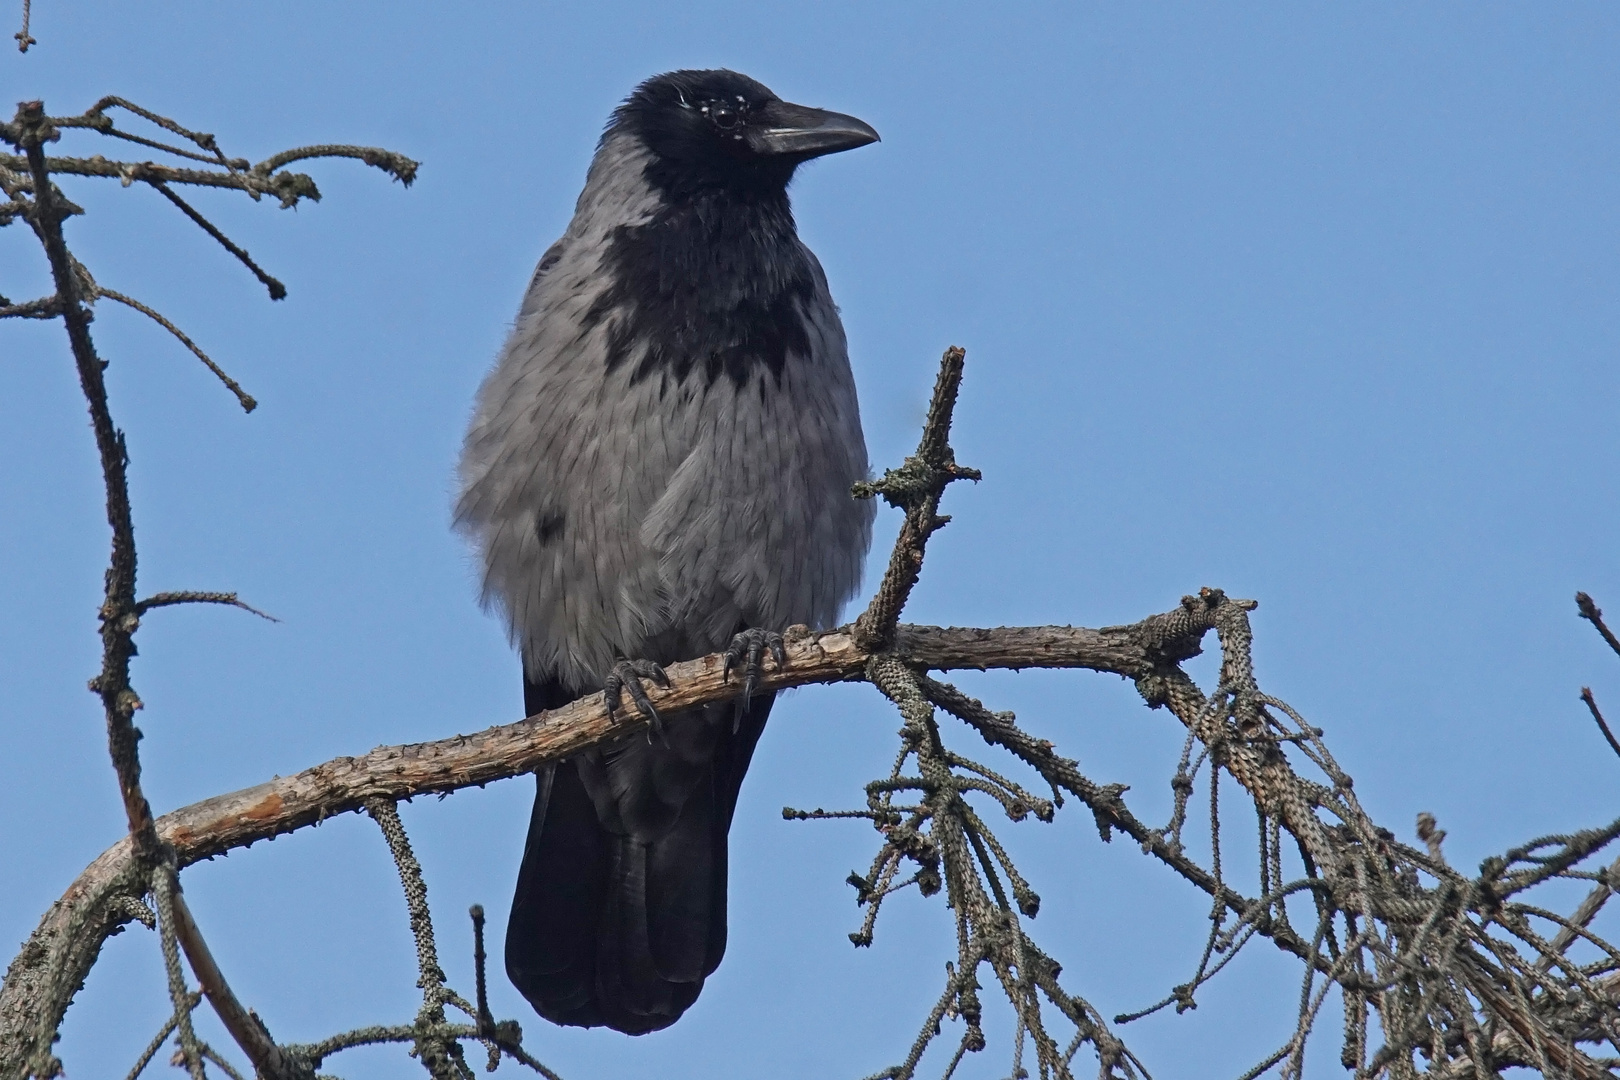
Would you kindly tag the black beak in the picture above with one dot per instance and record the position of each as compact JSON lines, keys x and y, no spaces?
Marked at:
{"x":789,"y":130}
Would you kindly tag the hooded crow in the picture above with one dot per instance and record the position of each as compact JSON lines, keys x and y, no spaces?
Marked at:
{"x":658,"y":468}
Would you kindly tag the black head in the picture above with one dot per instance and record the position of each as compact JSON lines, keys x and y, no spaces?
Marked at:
{"x":709,"y":129}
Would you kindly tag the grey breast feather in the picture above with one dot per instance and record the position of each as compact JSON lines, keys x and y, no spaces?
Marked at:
{"x":626,"y":517}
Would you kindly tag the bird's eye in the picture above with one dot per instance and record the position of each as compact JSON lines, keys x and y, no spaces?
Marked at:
{"x":725,"y":117}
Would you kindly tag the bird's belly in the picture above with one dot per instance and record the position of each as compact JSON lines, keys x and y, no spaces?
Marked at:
{"x":749,"y":532}
{"x":659,"y":520}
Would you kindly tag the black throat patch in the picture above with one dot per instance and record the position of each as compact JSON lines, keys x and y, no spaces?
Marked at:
{"x":715,"y":284}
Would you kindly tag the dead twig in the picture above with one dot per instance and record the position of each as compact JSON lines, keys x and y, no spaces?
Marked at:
{"x":270,"y":1061}
{"x":1594,"y":615}
{"x":1603,"y":726}
{"x":278,"y":291}
{"x":171,"y":599}
{"x":43,"y":979}
{"x":242,"y":396}
{"x":22,"y":36}
{"x":440,"y":1055}
{"x":915,"y":487}
{"x":192,"y":1001}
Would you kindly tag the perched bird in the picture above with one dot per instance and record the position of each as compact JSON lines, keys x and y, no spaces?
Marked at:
{"x":658,"y":468}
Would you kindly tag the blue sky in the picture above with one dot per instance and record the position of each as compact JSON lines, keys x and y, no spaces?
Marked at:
{"x":1316,"y":303}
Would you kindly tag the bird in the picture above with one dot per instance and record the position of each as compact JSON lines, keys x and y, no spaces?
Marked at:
{"x":659,"y":467}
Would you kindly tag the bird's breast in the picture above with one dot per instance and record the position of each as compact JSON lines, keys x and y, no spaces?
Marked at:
{"x":665,"y":450}
{"x":716,"y":292}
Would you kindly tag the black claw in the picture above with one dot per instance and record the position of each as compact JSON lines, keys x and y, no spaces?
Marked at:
{"x":649,"y":670}
{"x":627,"y":675}
{"x":756,"y":652}
{"x":747,"y":650}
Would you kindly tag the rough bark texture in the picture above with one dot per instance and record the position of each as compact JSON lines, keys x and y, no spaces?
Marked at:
{"x":69,"y":937}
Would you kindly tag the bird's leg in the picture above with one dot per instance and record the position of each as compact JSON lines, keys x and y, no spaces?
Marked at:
{"x":747,"y":650}
{"x":627,"y":675}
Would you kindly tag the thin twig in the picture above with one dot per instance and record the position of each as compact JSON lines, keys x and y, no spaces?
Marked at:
{"x":1584,"y":914}
{"x":1603,"y":726}
{"x":373,"y":1036}
{"x":95,"y":118}
{"x":278,"y":291}
{"x":213,"y":1055}
{"x":398,"y":166}
{"x":156,"y":1044}
{"x":46,"y":307}
{"x":386,"y":814}
{"x":288,"y":188}
{"x":441,"y":1056}
{"x":1594,"y":615}
{"x":23,"y":40}
{"x":484,"y":1017}
{"x":269,"y":1060}
{"x":164,"y":892}
{"x":916,"y":488}
{"x":243,"y":397}
{"x":201,"y":139}
{"x":169,"y":599}
{"x":112,"y":132}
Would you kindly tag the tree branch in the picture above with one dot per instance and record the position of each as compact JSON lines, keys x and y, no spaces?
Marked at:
{"x":53,"y":964}
{"x":46,"y":307}
{"x":277,"y":290}
{"x":1603,"y":725}
{"x":54,"y":961}
{"x":31,"y":130}
{"x":915,"y":487}
{"x":243,"y":398}
{"x":23,"y":38}
{"x":1593,"y":614}
{"x":172,"y":599}
{"x":268,"y":1059}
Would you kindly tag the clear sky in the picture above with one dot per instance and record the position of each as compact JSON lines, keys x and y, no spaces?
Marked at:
{"x":1313,"y":302}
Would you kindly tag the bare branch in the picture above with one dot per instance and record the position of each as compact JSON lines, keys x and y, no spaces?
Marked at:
{"x":278,"y":291}
{"x":440,"y":1055}
{"x":1594,"y":615}
{"x":243,"y":397}
{"x":165,"y":892}
{"x":482,"y":989}
{"x":23,"y":40}
{"x":95,"y":117}
{"x":1603,"y":726}
{"x":193,"y":1000}
{"x":213,"y":1055}
{"x":169,"y":599}
{"x":62,"y":949}
{"x":916,"y":488}
{"x":45,"y":975}
{"x":32,"y":129}
{"x":263,"y":179}
{"x":269,"y":1060}
{"x":46,"y":307}
{"x":1584,"y":914}
{"x":288,"y":188}
{"x":398,"y":166}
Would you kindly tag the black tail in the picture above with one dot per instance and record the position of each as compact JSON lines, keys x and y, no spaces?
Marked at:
{"x":620,"y":910}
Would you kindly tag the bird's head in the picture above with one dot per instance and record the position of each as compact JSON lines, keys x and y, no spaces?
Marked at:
{"x":721,"y":129}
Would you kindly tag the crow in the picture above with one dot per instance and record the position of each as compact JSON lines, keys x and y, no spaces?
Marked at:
{"x":659,"y":467}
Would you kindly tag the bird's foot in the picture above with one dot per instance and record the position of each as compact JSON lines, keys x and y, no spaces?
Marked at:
{"x":627,"y":675}
{"x":747,"y":650}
